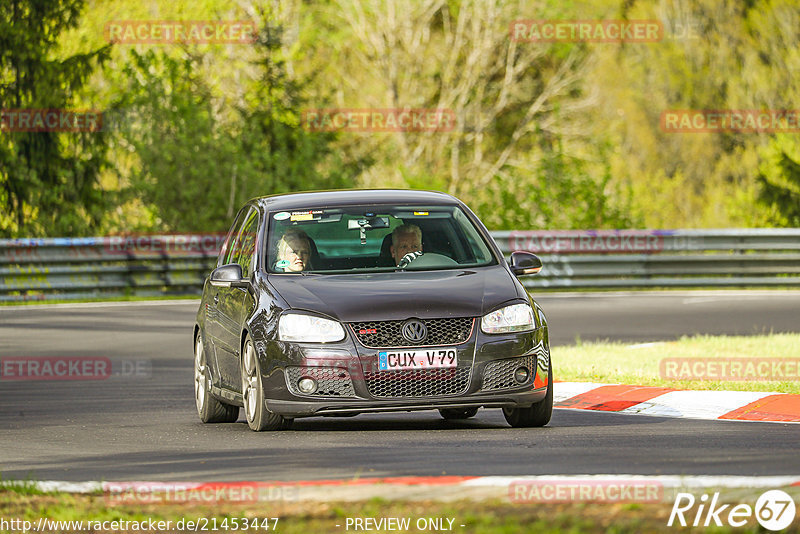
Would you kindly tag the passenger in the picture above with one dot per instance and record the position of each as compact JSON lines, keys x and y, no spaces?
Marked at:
{"x":294,"y":251}
{"x":406,"y":239}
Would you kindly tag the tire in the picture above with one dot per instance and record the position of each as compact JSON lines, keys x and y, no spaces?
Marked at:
{"x":256,"y":413}
{"x":535,"y":415}
{"x":458,"y":413}
{"x":209,"y":409}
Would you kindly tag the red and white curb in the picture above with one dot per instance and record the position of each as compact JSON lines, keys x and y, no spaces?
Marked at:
{"x":442,"y":488}
{"x":668,"y":402}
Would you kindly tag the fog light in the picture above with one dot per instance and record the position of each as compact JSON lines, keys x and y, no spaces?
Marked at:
{"x":307,"y":385}
{"x":521,"y":375}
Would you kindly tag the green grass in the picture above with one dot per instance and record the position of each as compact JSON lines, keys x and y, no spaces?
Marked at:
{"x":20,"y":487}
{"x":638,"y":364}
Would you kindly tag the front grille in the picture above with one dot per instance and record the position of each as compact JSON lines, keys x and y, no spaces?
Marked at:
{"x":383,"y":334}
{"x":500,"y":374}
{"x":331,"y":381}
{"x":418,"y":383}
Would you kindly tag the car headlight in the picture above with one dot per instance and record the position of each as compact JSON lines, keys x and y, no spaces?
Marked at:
{"x":309,"y":328}
{"x":514,"y":318}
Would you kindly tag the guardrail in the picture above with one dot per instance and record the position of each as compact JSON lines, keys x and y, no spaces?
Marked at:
{"x":78,"y":268}
{"x":65,"y":268}
{"x":660,"y":258}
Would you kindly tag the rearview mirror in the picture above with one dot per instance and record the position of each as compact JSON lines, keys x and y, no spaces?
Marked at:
{"x":524,"y":263}
{"x":228,"y":276}
{"x":368,"y":223}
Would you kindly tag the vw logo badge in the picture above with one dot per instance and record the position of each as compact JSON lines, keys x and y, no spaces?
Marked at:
{"x":415,"y":331}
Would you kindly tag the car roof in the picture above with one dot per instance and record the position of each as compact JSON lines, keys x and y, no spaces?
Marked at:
{"x":350,"y":197}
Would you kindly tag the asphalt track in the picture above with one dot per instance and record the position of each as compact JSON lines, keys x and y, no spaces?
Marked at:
{"x":140,"y":424}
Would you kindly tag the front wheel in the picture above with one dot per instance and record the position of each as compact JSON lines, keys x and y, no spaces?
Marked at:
{"x":258,"y":417}
{"x":209,"y":409}
{"x":535,"y":415}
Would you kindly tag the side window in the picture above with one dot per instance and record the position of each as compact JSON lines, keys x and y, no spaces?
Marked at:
{"x":246,"y":243}
{"x":227,"y":246}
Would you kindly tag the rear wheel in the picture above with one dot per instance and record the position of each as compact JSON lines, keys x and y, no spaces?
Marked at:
{"x":209,"y":409}
{"x":535,"y":415}
{"x":258,"y":417}
{"x":458,"y":413}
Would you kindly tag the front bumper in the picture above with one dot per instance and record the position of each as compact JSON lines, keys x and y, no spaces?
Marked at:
{"x":332,"y":407}
{"x":349,"y":383}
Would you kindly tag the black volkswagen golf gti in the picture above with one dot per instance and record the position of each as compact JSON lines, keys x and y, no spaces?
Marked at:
{"x":344,"y":302}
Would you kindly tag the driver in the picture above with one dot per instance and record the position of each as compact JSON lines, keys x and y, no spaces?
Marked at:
{"x":406,"y":239}
{"x":294,"y":251}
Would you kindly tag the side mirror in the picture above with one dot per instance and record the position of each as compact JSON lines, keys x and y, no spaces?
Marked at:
{"x":524,"y":263}
{"x":228,"y":276}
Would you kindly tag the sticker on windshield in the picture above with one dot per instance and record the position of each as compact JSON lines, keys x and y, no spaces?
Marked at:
{"x":304,"y":215}
{"x":281,"y":216}
{"x":420,"y":213}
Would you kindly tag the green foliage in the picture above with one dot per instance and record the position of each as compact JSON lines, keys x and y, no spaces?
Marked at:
{"x":49,"y":180}
{"x":548,"y":135}
{"x":185,"y":156}
{"x":197,"y":165}
{"x":780,"y":181}
{"x":282,"y":155}
{"x":564,"y":194}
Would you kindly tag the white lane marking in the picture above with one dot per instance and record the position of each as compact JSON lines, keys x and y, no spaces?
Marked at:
{"x":566,"y":390}
{"x":669,"y":481}
{"x":366,"y":491}
{"x":696,"y":404}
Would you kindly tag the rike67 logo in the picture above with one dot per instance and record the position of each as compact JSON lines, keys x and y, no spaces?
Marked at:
{"x":774,"y":510}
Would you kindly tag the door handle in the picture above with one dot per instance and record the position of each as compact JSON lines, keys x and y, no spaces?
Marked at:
{"x":216,"y":299}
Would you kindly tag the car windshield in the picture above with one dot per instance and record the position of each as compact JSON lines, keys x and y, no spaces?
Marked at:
{"x":373,"y":239}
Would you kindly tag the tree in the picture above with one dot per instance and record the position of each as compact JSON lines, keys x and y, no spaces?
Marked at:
{"x":282,"y":155}
{"x":184,"y":154}
{"x":779,"y":177}
{"x":48,"y":179}
{"x":201,"y":157}
{"x":517,"y":105}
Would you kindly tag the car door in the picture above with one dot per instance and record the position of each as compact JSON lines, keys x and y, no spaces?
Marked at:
{"x":213,"y":327}
{"x":233,"y":303}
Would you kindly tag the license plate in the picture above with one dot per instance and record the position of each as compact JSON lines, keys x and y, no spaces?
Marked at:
{"x":417,"y":359}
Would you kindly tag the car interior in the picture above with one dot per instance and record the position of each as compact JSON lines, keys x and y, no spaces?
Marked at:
{"x":350,"y":243}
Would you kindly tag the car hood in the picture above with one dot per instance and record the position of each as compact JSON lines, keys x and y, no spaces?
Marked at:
{"x":399,"y":295}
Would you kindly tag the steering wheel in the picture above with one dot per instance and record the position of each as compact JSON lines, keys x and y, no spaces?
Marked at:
{"x":408,"y":258}
{"x":430,"y":260}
